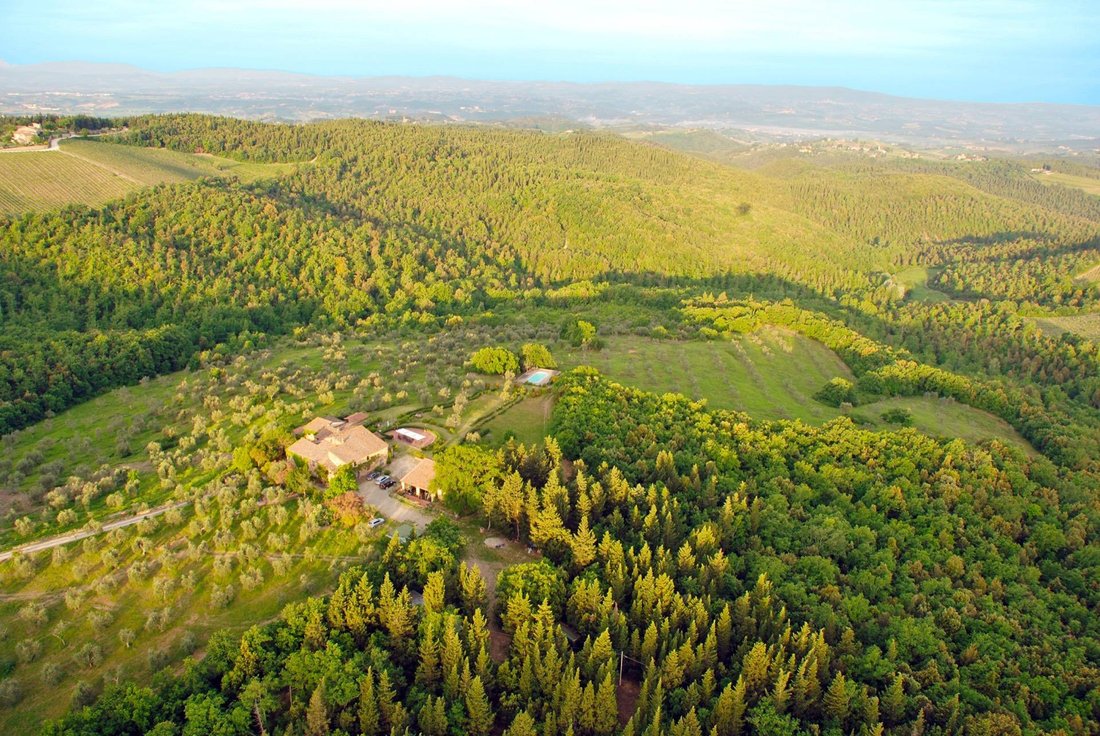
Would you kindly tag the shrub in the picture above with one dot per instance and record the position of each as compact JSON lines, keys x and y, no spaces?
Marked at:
{"x":898,"y":415}
{"x":836,"y":392}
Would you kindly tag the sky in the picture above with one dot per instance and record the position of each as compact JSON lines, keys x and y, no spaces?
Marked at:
{"x":983,"y":50}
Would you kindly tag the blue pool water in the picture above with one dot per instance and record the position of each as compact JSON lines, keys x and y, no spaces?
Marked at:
{"x":538,"y":377}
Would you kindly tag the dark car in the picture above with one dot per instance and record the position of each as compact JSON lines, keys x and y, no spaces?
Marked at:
{"x":374,"y":475}
{"x":388,"y":483}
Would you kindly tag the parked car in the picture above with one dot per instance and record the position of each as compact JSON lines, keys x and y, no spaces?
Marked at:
{"x":376,"y":522}
{"x":382,"y":479}
{"x":374,"y":475}
{"x":389,"y":483}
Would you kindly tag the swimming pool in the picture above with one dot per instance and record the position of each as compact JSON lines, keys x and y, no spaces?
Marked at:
{"x":538,"y":378}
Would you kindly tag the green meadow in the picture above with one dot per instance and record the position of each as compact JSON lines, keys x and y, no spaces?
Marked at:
{"x":914,"y":280}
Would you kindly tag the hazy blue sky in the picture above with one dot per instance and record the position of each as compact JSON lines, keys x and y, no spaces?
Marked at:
{"x":999,"y":50}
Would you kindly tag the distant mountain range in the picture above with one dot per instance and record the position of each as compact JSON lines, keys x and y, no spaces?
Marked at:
{"x":762,"y":112}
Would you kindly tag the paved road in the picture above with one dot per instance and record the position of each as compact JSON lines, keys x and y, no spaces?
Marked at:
{"x":79,"y":534}
{"x":393,"y":509}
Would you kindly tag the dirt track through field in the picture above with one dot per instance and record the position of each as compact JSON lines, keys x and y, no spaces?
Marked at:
{"x":79,"y":534}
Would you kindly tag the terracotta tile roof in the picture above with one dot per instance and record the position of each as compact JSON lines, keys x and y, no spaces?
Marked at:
{"x":333,"y":444}
{"x":421,"y":476}
{"x":319,"y":426}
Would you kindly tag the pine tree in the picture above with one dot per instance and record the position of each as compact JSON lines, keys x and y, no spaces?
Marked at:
{"x":755,"y":668}
{"x":317,"y":713}
{"x":600,"y":654}
{"x":369,"y":716}
{"x":892,"y":703}
{"x":522,"y":725}
{"x":510,"y":501}
{"x":387,"y":701}
{"x":428,"y":670}
{"x":586,"y":710}
{"x":479,"y":714}
{"x":807,"y":688}
{"x":724,"y":631}
{"x":781,"y":694}
{"x":688,"y":725}
{"x":837,"y":699}
{"x":607,"y":707}
{"x":472,"y":587}
{"x":583,"y":545}
{"x":729,"y":712}
{"x":432,"y":718}
{"x":435,"y":592}
{"x":450,"y":661}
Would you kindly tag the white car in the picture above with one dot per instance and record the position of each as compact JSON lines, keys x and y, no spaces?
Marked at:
{"x":376,"y":522}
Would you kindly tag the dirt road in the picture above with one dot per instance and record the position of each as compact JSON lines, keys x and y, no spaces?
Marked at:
{"x":76,"y":536}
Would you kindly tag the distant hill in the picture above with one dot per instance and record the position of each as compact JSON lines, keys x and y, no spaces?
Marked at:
{"x":767,"y":111}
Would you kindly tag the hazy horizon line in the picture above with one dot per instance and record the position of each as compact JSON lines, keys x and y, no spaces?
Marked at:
{"x":539,"y":80}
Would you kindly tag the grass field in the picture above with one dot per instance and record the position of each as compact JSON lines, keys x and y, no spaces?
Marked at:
{"x":528,"y":420}
{"x":93,"y":172}
{"x":943,"y":418}
{"x":1085,"y":184}
{"x":915,"y":282}
{"x":771,"y":374}
{"x":1085,"y":325}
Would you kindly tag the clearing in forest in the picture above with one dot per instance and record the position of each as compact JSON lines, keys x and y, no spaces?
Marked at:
{"x":770,"y":374}
{"x":914,"y":280}
{"x":1085,"y":325}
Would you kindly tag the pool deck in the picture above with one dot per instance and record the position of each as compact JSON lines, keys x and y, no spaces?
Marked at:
{"x":525,"y":377}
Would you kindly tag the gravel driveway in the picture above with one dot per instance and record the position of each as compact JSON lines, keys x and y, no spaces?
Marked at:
{"x":389,"y":506}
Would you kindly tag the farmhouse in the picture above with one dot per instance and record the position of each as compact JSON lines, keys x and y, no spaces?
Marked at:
{"x":333,"y":443}
{"x":418,"y":481}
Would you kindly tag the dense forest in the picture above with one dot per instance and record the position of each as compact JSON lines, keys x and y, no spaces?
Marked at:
{"x":685,"y":570}
{"x":760,"y":578}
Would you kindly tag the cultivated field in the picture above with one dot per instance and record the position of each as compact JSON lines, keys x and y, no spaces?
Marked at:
{"x":92,"y":172}
{"x":123,"y":605}
{"x":159,"y":165}
{"x":1084,"y":183}
{"x":45,"y":180}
